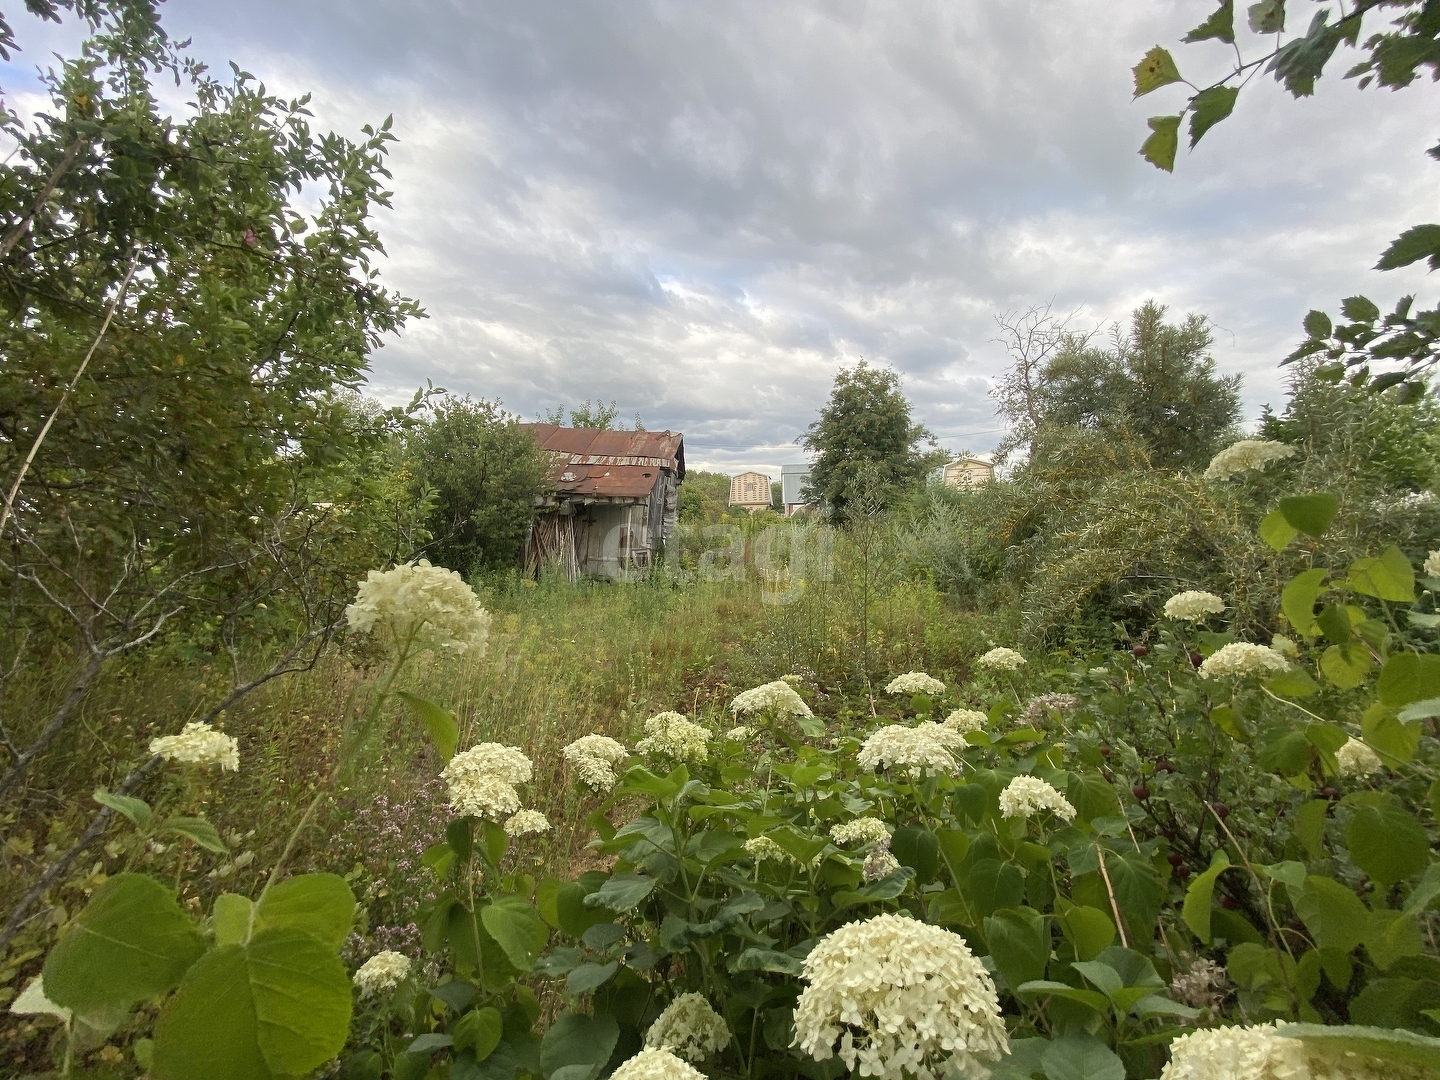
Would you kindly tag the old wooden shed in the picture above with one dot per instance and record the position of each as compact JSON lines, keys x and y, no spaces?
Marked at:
{"x":612,"y":502}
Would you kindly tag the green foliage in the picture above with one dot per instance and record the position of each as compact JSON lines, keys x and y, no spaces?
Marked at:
{"x":865,"y":424}
{"x":703,"y":498}
{"x":485,"y":471}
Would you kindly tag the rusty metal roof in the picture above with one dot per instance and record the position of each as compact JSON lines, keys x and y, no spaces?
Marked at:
{"x":609,"y":464}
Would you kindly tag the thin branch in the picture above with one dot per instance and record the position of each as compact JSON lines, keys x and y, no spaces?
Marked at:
{"x":23,"y":226}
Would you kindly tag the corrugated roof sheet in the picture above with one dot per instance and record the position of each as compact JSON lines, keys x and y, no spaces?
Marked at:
{"x":609,"y":464}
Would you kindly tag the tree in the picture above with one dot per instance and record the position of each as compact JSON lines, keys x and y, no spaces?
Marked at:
{"x":1154,"y":384}
{"x":703,"y":497}
{"x":1390,"y":58}
{"x":1031,"y":338}
{"x":596,"y":417}
{"x":866,"y":422}
{"x":484,"y":471}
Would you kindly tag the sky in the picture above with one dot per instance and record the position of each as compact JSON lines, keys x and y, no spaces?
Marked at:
{"x":702,"y":211}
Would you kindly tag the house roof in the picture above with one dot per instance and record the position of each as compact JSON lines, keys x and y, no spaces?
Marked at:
{"x":609,"y":464}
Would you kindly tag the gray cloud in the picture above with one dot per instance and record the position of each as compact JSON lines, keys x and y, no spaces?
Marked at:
{"x":702,"y":210}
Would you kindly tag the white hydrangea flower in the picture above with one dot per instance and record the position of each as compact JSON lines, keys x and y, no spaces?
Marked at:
{"x":1193,"y":605}
{"x":1432,"y":564}
{"x":1237,"y":1053}
{"x":915,"y":682}
{"x":948,"y":737}
{"x":966,"y":721}
{"x":434,"y":604}
{"x":762,"y":847}
{"x":777,"y":697}
{"x":526,"y":823}
{"x":1001,"y":660}
{"x":879,"y":864}
{"x":653,"y":1063}
{"x":596,"y":760}
{"x":1285,"y":646}
{"x":1245,"y":455}
{"x":382,"y":973}
{"x":863,"y":830}
{"x":1026,"y":796}
{"x":199,"y":744}
{"x":670,"y":735}
{"x":33,"y":1002}
{"x":689,"y":1028}
{"x":740,"y":733}
{"x":1242,"y":658}
{"x":897,"y":998}
{"x":482,"y":780}
{"x":1039,"y":705}
{"x":1356,"y":758}
{"x":897,"y":746}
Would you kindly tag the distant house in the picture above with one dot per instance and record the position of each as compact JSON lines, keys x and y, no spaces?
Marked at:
{"x":750,"y":491}
{"x":793,"y":479}
{"x":612,"y":503}
{"x":968,"y":472}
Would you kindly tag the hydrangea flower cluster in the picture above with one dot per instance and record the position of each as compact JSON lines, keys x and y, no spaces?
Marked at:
{"x":912,"y":749}
{"x":430,"y":602}
{"x":1245,"y":455}
{"x":948,"y":737}
{"x":670,"y":735}
{"x":966,"y":721}
{"x":1432,"y":564}
{"x":1356,"y":758}
{"x":653,"y":1063}
{"x":896,"y":997}
{"x":762,"y":847}
{"x":777,"y":697}
{"x":915,"y":682}
{"x":526,"y":823}
{"x":1203,"y":986}
{"x":740,"y":733}
{"x":863,"y":830}
{"x":1237,"y":1053}
{"x":1026,"y":796}
{"x":689,"y":1028}
{"x":199,"y":744}
{"x":1001,"y":660}
{"x":596,"y":760}
{"x":1193,"y":605}
{"x":1241,"y":658}
{"x":482,"y":780}
{"x":880,"y":863}
{"x":1043,"y":703}
{"x":382,"y":973}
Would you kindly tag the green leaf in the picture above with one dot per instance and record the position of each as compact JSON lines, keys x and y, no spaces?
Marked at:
{"x":1346,"y":666}
{"x":1159,"y":149}
{"x":130,"y":942}
{"x":479,"y":1032}
{"x":231,"y":919}
{"x":1081,"y":1056}
{"x":1420,"y":710}
{"x":1298,"y":599}
{"x":1311,"y":514}
{"x":1359,"y":309}
{"x":1318,"y":325}
{"x":572,"y":913}
{"x":1088,"y":929}
{"x":1389,"y":577}
{"x":517,"y":929}
{"x":1155,"y":69}
{"x":439,"y":724}
{"x":197,"y":829}
{"x":1200,"y":895}
{"x":1308,"y":824}
{"x":1092,"y":796}
{"x":588,"y":977}
{"x":137,"y":810}
{"x":1220,"y":26}
{"x":1332,"y":913}
{"x":1388,"y":844}
{"x":1287,"y":755}
{"x":1276,"y":531}
{"x":546,"y":900}
{"x":1295,"y":683}
{"x":1395,"y":742}
{"x":1100,"y":975}
{"x":1392,"y":935}
{"x":622,"y":892}
{"x":918,"y":849}
{"x":1416,"y":243}
{"x":769,"y":960}
{"x":1267,"y":17}
{"x":1400,"y":1047}
{"x":278,"y":1006}
{"x":796,"y":844}
{"x":1408,"y":677}
{"x":320,"y":905}
{"x":576,"y":1046}
{"x":1207,"y":109}
{"x":1090,"y":998}
{"x":1020,"y":944}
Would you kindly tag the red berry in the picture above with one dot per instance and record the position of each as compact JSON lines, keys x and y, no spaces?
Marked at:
{"x":1182,"y":872}
{"x":1196,"y":659}
{"x":1104,"y":751}
{"x":1221,"y":810}
{"x":1140,"y":652}
{"x":1175,"y":858}
{"x":1228,"y":903}
{"x":1330,"y":793}
{"x":1141,"y":792}
{"x":1164,"y":766}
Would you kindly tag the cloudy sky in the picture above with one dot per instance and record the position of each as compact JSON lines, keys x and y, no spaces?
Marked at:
{"x":703,"y":210}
